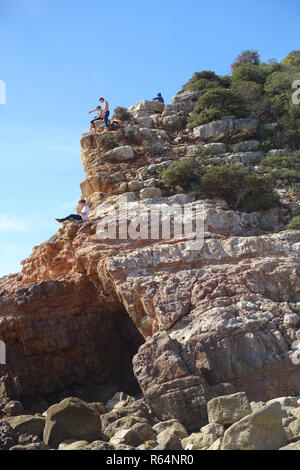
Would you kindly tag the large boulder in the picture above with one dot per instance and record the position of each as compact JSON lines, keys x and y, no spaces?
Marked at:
{"x":226,"y":129}
{"x":14,"y":408}
{"x":72,"y":418}
{"x":228,"y":409}
{"x":119,"y":155}
{"x":168,"y":385}
{"x":182,"y":107}
{"x":150,"y":193}
{"x":261,"y":430}
{"x":147,"y":106}
{"x":186,"y":96}
{"x":27,"y":424}
{"x":174,"y":122}
{"x":123,"y":423}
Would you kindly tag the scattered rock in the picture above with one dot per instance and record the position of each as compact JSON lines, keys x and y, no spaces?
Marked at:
{"x":27,"y":424}
{"x":261,"y":430}
{"x":33,"y":446}
{"x":150,"y":193}
{"x":119,"y":155}
{"x":228,"y":409}
{"x":14,"y":408}
{"x":123,"y":423}
{"x":8,"y":436}
{"x":72,"y":418}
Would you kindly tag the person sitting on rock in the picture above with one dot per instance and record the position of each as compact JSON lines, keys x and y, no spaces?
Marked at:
{"x":83,"y":212}
{"x":99,"y":117}
{"x":159,"y":98}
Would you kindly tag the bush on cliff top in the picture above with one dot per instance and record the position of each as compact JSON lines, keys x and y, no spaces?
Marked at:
{"x":214,"y":104}
{"x":262,"y":91}
{"x":122,"y":114}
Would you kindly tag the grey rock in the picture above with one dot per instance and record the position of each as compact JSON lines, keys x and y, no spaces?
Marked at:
{"x":261,"y":430}
{"x":226,"y":129}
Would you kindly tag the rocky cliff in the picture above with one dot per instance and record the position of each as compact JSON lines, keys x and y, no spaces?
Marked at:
{"x":89,"y":315}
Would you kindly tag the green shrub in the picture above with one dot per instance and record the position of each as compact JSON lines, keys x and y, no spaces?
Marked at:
{"x":293,"y":58}
{"x":202,"y":81}
{"x":290,"y":177}
{"x":107,"y":141}
{"x":259,"y":90}
{"x":241,"y":188}
{"x":185,"y":173}
{"x":275,"y":162}
{"x":122,"y":114}
{"x":292,"y":162}
{"x":296,"y":309}
{"x":294,"y":223}
{"x":256,"y":104}
{"x":214,"y":104}
{"x":250,"y":73}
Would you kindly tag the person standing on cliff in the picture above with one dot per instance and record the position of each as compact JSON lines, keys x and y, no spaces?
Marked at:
{"x":83,"y":212}
{"x":106,"y":112}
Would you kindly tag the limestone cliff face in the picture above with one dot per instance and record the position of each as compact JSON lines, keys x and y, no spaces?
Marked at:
{"x":213,"y":321}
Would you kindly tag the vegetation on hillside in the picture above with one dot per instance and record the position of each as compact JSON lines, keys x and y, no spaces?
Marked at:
{"x":254,"y":89}
{"x":240,"y":187}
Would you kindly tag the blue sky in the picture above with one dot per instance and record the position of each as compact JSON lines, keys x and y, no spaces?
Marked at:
{"x":59,"y":56}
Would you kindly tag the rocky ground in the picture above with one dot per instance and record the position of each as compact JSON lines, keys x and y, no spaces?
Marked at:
{"x":194,"y":333}
{"x":126,"y":423}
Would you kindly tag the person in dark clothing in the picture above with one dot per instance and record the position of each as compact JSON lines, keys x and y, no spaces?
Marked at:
{"x":159,"y":98}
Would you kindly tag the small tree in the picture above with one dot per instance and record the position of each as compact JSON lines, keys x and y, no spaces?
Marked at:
{"x":248,"y":57}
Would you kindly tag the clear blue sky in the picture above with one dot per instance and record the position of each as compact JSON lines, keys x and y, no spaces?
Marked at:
{"x":59,"y":56}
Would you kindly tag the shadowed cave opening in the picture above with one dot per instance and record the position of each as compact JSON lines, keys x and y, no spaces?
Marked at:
{"x":98,"y":362}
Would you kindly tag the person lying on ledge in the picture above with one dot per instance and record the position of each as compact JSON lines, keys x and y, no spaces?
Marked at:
{"x":83,"y":212}
{"x":99,"y":117}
